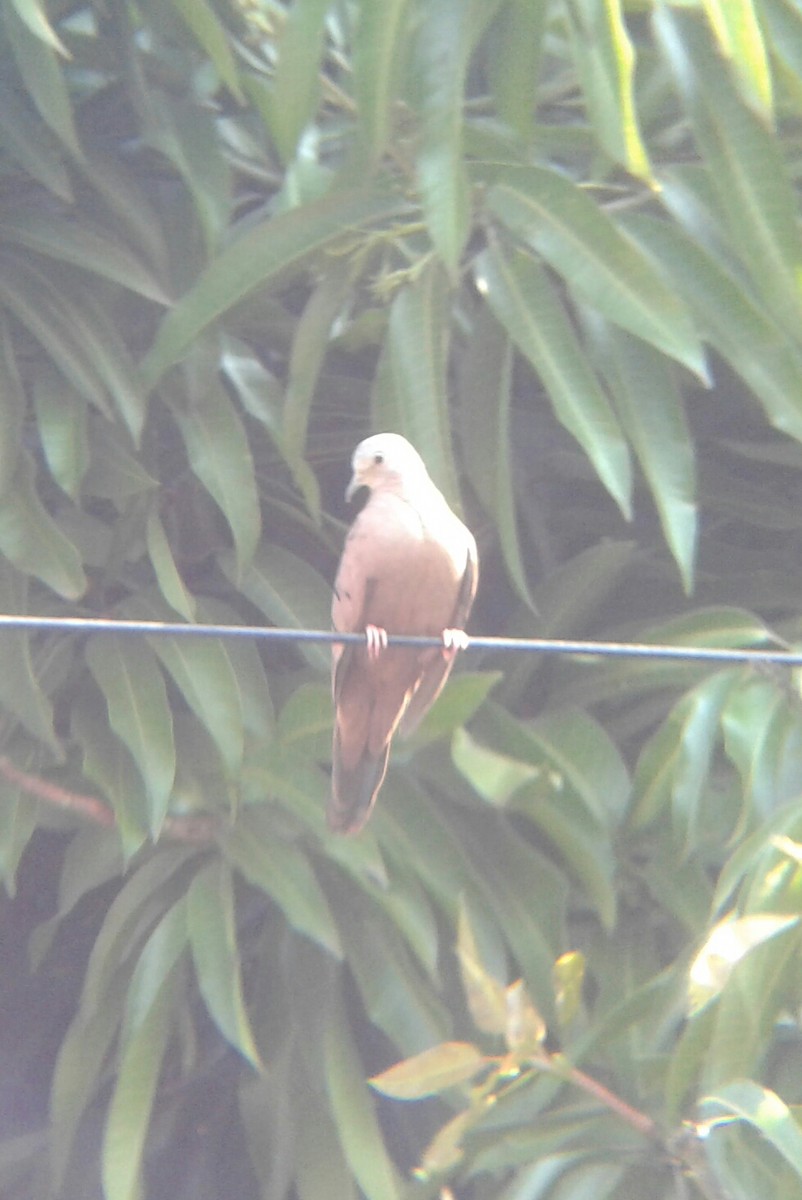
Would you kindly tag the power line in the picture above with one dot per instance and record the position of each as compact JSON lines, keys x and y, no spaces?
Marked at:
{"x":560,"y":646}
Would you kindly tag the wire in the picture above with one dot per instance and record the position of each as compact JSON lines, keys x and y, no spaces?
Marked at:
{"x":269,"y":633}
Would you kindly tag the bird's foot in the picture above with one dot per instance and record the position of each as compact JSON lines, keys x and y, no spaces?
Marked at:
{"x":376,"y":639}
{"x":454,"y":640}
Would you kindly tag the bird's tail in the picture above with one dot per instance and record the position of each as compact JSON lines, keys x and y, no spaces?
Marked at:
{"x":353,"y":790}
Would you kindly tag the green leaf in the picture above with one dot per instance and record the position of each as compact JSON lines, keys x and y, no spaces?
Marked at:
{"x":725,"y":946}
{"x":286,"y":875}
{"x":486,"y":395}
{"x":462,"y":696}
{"x":486,"y":997}
{"x":171,"y":584}
{"x":360,"y":1135}
{"x":263,"y":255}
{"x":62,"y":419}
{"x":156,"y":963}
{"x":598,"y":262}
{"x":296,"y":83}
{"x":31,"y":144}
{"x":418,"y":343}
{"x":213,"y":938}
{"x":443,"y":56}
{"x":41,"y":73}
{"x":521,"y":297}
{"x":18,"y":823}
{"x":516,"y":42}
{"x":202,"y":671}
{"x":738,"y":327}
{"x":132,"y":1102}
{"x":746,"y":167}
{"x":653,"y":418}
{"x":309,"y":347}
{"x":79,"y":336}
{"x":31,"y":539}
{"x":110,"y":766}
{"x":606,"y":60}
{"x":220,"y":456}
{"x":377,"y":57}
{"x":211,"y":35}
{"x":128,"y":675}
{"x":762,"y":1108}
{"x":83,"y":245}
{"x":80,"y":1068}
{"x":737,"y":31}
{"x":290,"y":592}
{"x":431,"y":1072}
{"x":35,"y":17}
{"x":496,"y":777}
{"x":675,"y":765}
{"x":12,"y":409}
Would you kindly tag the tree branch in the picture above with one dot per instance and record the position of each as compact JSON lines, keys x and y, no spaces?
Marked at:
{"x":197,"y":829}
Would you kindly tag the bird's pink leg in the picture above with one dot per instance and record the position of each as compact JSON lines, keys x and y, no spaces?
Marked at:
{"x":454,"y":640}
{"x":376,"y":639}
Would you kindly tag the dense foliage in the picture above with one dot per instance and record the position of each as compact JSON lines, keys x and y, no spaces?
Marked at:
{"x":556,"y":243}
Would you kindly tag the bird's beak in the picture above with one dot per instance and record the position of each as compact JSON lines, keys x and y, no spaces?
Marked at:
{"x":353,"y":487}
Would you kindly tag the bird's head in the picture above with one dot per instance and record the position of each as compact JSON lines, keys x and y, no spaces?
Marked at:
{"x":386,"y":461}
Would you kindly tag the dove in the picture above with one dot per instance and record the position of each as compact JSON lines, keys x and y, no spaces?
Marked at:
{"x":409,"y":566}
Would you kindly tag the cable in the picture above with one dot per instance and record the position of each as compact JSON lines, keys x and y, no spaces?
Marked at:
{"x":524,"y":645}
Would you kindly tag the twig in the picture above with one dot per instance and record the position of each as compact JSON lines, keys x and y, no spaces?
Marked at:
{"x":197,"y":829}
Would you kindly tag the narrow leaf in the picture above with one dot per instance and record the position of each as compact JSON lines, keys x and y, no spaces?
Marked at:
{"x":486,"y":380}
{"x":443,"y":54}
{"x":357,"y":1125}
{"x":653,"y":417}
{"x":31,"y":539}
{"x":521,"y":297}
{"x":606,"y":61}
{"x":418,"y":342}
{"x":378,"y":43}
{"x":763,"y":1109}
{"x":139,"y":713}
{"x":286,"y":875}
{"x":596,"y":260}
{"x":746,"y":167}
{"x":132,"y":1102}
{"x":211,"y":35}
{"x":220,"y":456}
{"x":258,"y":258}
{"x":40,"y":69}
{"x":13,"y":405}
{"x":739,"y":37}
{"x":742,"y":331}
{"x":296,"y":84}
{"x":171,"y":584}
{"x":431,"y":1072}
{"x":485,"y":995}
{"x":289,"y":592}
{"x":213,"y":937}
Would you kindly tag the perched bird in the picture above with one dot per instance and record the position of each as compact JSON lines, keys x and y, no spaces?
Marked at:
{"x":409,"y":566}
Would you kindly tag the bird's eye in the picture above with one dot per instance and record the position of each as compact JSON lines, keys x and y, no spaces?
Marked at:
{"x":378,"y":458}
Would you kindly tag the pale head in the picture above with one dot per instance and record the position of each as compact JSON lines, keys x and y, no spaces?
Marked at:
{"x":387,"y":461}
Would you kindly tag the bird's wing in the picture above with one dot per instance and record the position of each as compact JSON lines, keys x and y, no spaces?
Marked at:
{"x":437,"y":670}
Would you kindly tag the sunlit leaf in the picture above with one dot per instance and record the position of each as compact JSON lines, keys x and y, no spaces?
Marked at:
{"x":431,"y":1072}
{"x":727,"y":944}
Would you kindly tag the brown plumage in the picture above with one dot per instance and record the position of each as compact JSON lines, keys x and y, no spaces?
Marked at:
{"x":409,"y":565}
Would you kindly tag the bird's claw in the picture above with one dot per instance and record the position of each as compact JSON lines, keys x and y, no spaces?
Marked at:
{"x":376,"y":639}
{"x":454,"y":640}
